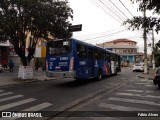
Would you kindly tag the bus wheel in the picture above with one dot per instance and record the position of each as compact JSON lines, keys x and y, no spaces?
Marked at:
{"x":99,"y":76}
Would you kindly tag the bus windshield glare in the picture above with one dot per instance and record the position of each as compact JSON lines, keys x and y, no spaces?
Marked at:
{"x":59,"y":47}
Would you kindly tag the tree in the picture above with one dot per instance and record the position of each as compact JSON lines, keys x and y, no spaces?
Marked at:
{"x":144,"y":23}
{"x":138,"y":22}
{"x":150,"y":5}
{"x":19,"y":18}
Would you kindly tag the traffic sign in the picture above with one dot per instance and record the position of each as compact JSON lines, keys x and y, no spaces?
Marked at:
{"x":75,"y":28}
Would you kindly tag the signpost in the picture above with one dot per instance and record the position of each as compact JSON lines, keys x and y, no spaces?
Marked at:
{"x":75,"y":28}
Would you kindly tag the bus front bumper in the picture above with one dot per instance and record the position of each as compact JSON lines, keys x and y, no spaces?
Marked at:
{"x":65,"y":74}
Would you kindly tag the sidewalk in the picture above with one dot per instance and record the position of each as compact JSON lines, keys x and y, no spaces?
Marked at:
{"x":11,"y":78}
{"x":149,"y":76}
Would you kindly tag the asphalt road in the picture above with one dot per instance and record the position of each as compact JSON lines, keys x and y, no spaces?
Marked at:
{"x":66,"y":94}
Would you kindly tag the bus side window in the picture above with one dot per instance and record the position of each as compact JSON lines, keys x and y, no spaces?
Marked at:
{"x":99,"y":55}
{"x":90,"y":53}
{"x":81,"y":51}
{"x":112,"y":57}
{"x":96,"y":56}
{"x":107,"y":57}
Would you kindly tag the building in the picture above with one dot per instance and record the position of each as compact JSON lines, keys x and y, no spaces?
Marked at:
{"x":128,"y":50}
{"x":4,"y":52}
{"x":7,"y":52}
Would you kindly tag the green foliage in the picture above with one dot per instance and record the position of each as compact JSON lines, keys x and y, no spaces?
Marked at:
{"x":138,"y":22}
{"x":18,"y":18}
{"x":149,"y":4}
{"x":149,"y":23}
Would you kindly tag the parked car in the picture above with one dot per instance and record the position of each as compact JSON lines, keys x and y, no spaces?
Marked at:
{"x":138,"y":67}
{"x":156,"y":79}
{"x":1,"y":68}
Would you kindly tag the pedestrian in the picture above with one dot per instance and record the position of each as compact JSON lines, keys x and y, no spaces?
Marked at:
{"x":11,"y":65}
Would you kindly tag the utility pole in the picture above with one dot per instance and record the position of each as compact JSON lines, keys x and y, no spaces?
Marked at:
{"x":153,"y":57}
{"x":145,"y":40}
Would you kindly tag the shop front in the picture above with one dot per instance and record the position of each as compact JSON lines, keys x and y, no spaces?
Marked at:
{"x":4,"y":53}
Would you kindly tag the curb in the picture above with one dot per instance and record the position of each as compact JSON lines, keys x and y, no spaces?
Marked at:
{"x":21,"y":81}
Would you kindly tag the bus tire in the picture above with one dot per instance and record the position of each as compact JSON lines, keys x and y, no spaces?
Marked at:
{"x":116,"y":71}
{"x":99,"y":75}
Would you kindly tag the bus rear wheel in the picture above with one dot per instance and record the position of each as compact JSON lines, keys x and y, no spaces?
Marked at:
{"x":99,"y":75}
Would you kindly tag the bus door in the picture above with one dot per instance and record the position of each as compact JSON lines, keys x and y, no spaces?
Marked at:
{"x":113,"y":63}
{"x":90,"y":62}
{"x":119,"y":63}
{"x":108,"y":60}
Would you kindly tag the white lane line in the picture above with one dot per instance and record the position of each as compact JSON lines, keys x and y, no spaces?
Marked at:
{"x":134,"y":101}
{"x":7,"y":93}
{"x":120,"y":108}
{"x":38,"y":107}
{"x":139,"y":91}
{"x":137,"y":95}
{"x":10,"y":98}
{"x":4,"y":107}
{"x":141,"y":83}
{"x":148,"y":85}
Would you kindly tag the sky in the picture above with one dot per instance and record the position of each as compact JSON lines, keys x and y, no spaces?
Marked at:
{"x":102,"y":21}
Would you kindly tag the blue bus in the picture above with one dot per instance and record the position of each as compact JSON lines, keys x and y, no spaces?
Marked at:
{"x":71,"y":58}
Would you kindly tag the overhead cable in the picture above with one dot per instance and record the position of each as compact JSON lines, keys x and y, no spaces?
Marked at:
{"x":111,"y":9}
{"x":96,"y":4}
{"x":119,"y":9}
{"x":107,"y":35}
{"x":126,"y":7}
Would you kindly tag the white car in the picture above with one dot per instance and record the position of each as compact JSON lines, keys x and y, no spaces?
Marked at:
{"x":138,"y":67}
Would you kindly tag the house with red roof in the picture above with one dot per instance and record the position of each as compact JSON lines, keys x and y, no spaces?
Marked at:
{"x":128,"y":49}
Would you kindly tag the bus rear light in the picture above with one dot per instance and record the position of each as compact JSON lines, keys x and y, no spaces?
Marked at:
{"x":71,"y":64}
{"x":46,"y":65}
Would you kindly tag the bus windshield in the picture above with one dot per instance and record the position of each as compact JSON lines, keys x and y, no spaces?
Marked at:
{"x":59,"y":47}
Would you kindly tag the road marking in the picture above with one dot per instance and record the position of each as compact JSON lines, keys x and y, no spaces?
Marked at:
{"x":3,"y":107}
{"x":137,"y":95}
{"x":142,"y":83}
{"x":148,"y":85}
{"x":120,"y":108}
{"x":38,"y":107}
{"x":7,"y":93}
{"x":133,"y":101}
{"x":139,"y":91}
{"x":10,"y":98}
{"x":1,"y":90}
{"x":144,"y":80}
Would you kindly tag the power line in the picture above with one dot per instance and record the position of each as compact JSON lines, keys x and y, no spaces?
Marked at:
{"x":105,"y":32}
{"x":99,"y":6}
{"x":111,"y":9}
{"x":107,"y":35}
{"x":118,"y":9}
{"x":126,"y":7}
